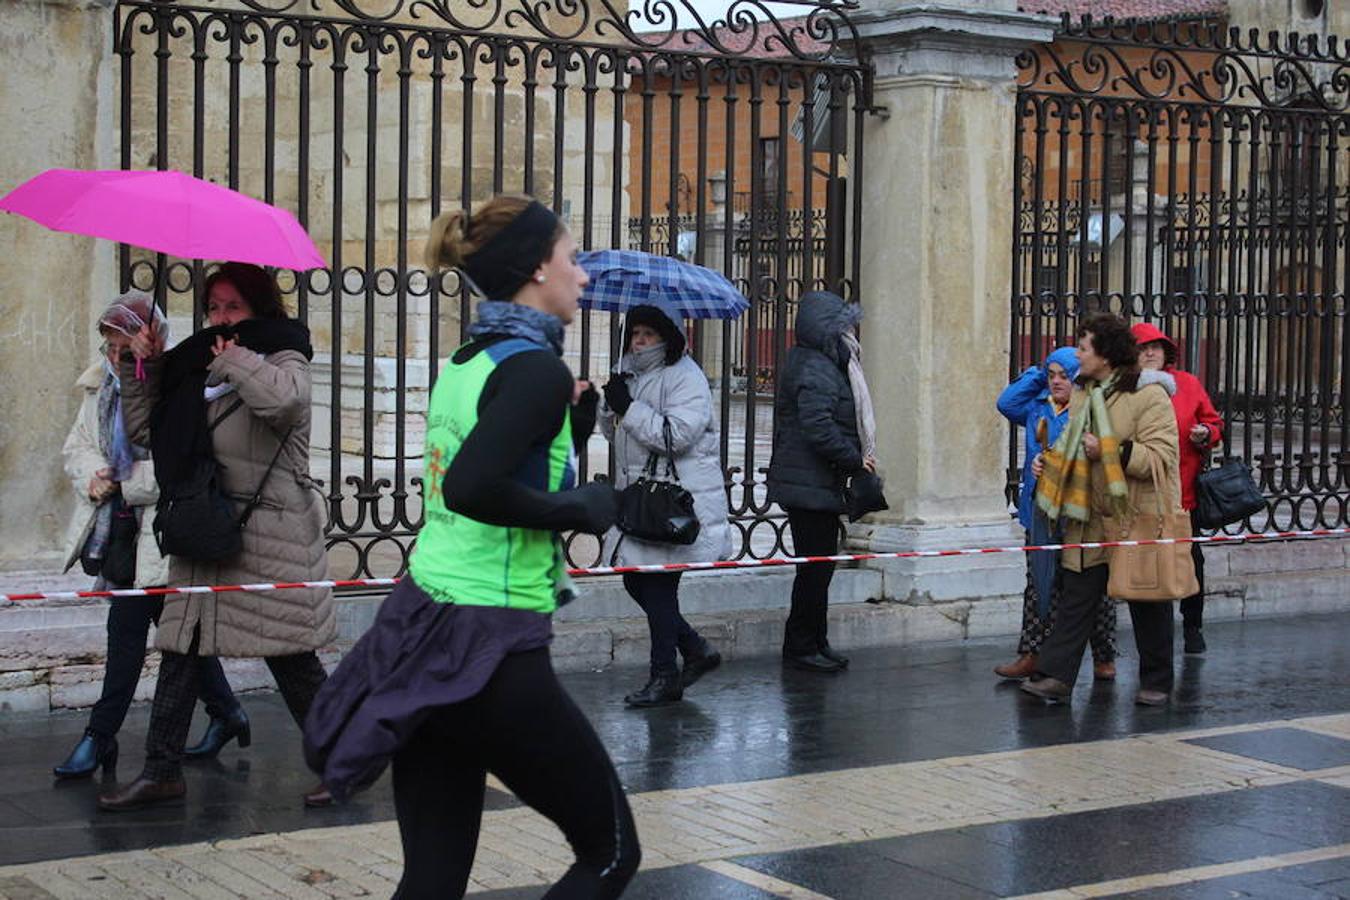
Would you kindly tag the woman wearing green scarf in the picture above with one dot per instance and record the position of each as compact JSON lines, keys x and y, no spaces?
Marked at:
{"x":1120,"y":423}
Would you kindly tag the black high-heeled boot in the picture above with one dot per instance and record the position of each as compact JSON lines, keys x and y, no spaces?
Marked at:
{"x":92,"y":751}
{"x":219,"y":733}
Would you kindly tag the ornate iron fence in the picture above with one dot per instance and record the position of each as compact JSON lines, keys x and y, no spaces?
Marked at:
{"x":1198,"y":178}
{"x":368,"y":117}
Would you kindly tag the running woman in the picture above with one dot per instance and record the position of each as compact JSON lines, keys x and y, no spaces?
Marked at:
{"x":454,"y":679}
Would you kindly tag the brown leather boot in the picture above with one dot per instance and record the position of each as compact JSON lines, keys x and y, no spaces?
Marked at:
{"x":142,"y":793}
{"x":1023,"y":667}
{"x":1104,"y":671}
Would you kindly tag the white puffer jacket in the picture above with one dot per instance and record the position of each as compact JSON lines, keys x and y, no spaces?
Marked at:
{"x":680,"y":395}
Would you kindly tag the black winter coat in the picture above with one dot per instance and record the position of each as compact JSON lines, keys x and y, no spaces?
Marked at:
{"x":815,"y":438}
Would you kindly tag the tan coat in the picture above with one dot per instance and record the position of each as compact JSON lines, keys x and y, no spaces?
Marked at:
{"x":83,"y":458}
{"x":1141,"y":412}
{"x":283,"y":540}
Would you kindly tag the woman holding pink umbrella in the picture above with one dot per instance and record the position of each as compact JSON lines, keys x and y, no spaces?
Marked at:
{"x":236,"y":394}
{"x":111,"y":537}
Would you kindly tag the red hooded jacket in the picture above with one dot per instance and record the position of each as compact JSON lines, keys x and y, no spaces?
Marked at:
{"x":1193,"y":407}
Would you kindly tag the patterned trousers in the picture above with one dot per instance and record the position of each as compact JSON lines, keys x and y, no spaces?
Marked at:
{"x":298,"y":677}
{"x":1036,"y":629}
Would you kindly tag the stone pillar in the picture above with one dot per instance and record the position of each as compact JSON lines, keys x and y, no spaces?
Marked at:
{"x":936,"y":275}
{"x":57,"y":97}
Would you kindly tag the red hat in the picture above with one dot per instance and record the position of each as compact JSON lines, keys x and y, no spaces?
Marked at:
{"x":1147,"y":333}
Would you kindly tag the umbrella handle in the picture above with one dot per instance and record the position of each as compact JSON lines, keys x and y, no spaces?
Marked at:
{"x":140,"y":370}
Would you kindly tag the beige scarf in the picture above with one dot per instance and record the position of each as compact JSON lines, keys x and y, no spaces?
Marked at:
{"x":862,"y":397}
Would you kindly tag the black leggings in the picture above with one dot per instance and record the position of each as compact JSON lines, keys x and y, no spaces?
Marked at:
{"x":525,"y":729}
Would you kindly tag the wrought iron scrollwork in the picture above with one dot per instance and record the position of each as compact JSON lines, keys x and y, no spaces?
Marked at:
{"x":1189,"y":62}
{"x":746,"y":28}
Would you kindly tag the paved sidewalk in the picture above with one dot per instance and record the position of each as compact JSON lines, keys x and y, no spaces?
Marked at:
{"x":914,"y":775}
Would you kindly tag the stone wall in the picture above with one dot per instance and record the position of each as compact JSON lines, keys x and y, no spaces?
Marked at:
{"x":56,"y":100}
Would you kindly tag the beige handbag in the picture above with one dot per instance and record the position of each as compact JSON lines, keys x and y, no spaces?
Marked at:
{"x":1157,"y":571}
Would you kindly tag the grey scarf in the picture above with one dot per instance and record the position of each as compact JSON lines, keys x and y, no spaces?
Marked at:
{"x":517,"y":320}
{"x":120,"y":454}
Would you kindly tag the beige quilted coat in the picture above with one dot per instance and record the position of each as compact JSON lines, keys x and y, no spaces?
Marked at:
{"x":82,"y":458}
{"x":284,"y":538}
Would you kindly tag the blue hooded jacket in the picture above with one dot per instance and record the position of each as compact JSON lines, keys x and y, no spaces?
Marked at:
{"x":1025,"y":402}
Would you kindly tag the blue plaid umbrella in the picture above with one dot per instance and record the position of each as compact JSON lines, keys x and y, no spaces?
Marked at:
{"x":622,"y":279}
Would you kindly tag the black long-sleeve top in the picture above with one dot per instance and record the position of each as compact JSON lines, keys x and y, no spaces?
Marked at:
{"x":521,"y":407}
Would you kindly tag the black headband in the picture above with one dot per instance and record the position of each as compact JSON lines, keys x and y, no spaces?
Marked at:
{"x":501,"y":267}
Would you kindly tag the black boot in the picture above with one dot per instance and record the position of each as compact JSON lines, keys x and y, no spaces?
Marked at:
{"x":663,"y":688}
{"x":92,"y":751}
{"x":1195,"y":641}
{"x":219,"y":733}
{"x":699,"y":663}
{"x":833,"y":655}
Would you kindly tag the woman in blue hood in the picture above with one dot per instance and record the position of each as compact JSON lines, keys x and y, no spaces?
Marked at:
{"x":1038,"y":401}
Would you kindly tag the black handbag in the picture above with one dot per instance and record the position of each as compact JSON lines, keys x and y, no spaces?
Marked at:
{"x":657,"y":510}
{"x":863,"y":494}
{"x":117,"y":565}
{"x":119,"y":560}
{"x":196,"y":519}
{"x":1226,"y":494}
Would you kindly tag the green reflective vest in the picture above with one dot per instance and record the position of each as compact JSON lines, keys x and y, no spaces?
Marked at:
{"x":461,"y":560}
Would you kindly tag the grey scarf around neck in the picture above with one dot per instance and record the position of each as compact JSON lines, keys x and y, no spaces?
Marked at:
{"x":640,"y":362}
{"x":516,"y":320}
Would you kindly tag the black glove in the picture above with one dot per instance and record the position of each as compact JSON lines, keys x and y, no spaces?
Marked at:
{"x":617,"y":394}
{"x":583,"y":417}
{"x":599,"y":504}
{"x":586,"y":402}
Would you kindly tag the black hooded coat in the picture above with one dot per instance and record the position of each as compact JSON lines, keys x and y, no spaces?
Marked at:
{"x":815,"y":441}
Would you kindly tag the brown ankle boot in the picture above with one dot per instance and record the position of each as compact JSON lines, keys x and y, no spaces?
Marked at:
{"x":1023,"y":667}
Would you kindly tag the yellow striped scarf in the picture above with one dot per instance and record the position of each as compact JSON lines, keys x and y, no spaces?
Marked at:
{"x":1065,"y":487}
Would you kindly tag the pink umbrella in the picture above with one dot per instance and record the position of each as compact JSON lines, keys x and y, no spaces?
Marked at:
{"x":168,"y":212}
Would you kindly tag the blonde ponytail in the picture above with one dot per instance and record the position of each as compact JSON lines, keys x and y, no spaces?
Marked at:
{"x":447,"y":245}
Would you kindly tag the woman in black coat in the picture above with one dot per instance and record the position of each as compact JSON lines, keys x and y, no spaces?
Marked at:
{"x":816,"y":447}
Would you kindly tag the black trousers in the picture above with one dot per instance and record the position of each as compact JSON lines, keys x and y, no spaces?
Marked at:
{"x":525,"y":729}
{"x":1062,"y":655}
{"x":813,"y":534}
{"x":658,"y":593}
{"x":129,"y":620}
{"x":298,"y":676}
{"x":1036,"y":627}
{"x":1193,"y":607}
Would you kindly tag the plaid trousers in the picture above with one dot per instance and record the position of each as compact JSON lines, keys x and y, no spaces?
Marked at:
{"x":298,"y":676}
{"x":1036,"y":629}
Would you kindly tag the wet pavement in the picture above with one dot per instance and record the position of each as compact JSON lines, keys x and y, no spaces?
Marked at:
{"x":1280,"y":794}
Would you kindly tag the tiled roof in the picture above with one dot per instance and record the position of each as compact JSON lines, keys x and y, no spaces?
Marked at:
{"x":1121,"y":9}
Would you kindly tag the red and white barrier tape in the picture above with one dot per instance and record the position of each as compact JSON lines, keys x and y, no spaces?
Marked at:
{"x":694,"y":566}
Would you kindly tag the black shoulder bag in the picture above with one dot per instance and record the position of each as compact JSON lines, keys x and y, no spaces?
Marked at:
{"x":662,"y":511}
{"x":196,"y":519}
{"x":863,"y":494}
{"x":1226,"y":494}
